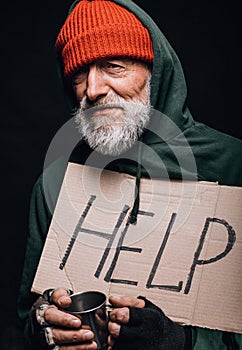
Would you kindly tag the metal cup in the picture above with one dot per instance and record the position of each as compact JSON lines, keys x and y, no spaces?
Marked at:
{"x":90,"y":307}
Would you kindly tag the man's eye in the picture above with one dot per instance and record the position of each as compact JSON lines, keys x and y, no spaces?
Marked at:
{"x":114,"y":67}
{"x":79,"y":78}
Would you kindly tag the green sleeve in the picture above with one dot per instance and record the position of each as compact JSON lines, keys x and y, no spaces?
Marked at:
{"x":208,"y":339}
{"x":43,"y":200}
{"x":39,"y":220}
{"x":238,"y":341}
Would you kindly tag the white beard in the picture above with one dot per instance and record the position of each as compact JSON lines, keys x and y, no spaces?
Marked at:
{"x":113,"y":132}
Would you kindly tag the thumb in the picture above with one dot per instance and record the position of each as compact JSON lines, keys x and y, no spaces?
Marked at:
{"x":61,"y":297}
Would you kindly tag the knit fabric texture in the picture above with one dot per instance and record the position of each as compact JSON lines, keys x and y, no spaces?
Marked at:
{"x":149,"y":329}
{"x":101,"y":29}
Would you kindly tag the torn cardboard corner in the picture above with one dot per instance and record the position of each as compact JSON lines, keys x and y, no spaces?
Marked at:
{"x":184,"y":253}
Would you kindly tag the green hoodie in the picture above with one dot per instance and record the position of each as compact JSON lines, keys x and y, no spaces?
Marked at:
{"x":186,"y":150}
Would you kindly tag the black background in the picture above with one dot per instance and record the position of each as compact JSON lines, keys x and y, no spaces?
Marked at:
{"x":206,"y":36}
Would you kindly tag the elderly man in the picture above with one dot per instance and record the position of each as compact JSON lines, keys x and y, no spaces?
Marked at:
{"x":116,"y":67}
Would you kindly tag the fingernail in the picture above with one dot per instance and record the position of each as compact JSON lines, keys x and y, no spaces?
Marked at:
{"x":64,"y":300}
{"x":87,"y":335}
{"x":75,"y":322}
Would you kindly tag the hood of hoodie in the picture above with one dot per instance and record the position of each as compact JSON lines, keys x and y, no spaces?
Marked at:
{"x":174,"y":145}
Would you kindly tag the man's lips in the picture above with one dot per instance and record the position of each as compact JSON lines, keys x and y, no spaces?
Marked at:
{"x":102,"y":110}
{"x":106,"y":110}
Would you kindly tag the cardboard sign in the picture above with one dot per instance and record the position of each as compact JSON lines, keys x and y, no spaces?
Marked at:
{"x":184,"y":253}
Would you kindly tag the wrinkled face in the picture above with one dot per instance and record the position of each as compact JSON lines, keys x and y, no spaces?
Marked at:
{"x":114,"y":103}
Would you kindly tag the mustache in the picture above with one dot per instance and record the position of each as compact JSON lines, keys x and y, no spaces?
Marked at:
{"x":102,"y":103}
{"x":89,"y":112}
{"x":88,"y":108}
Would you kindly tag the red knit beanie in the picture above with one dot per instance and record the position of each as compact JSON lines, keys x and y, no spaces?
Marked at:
{"x":100,"y":29}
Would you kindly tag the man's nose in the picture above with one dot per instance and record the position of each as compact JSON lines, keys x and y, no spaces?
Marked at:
{"x":96,"y":84}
